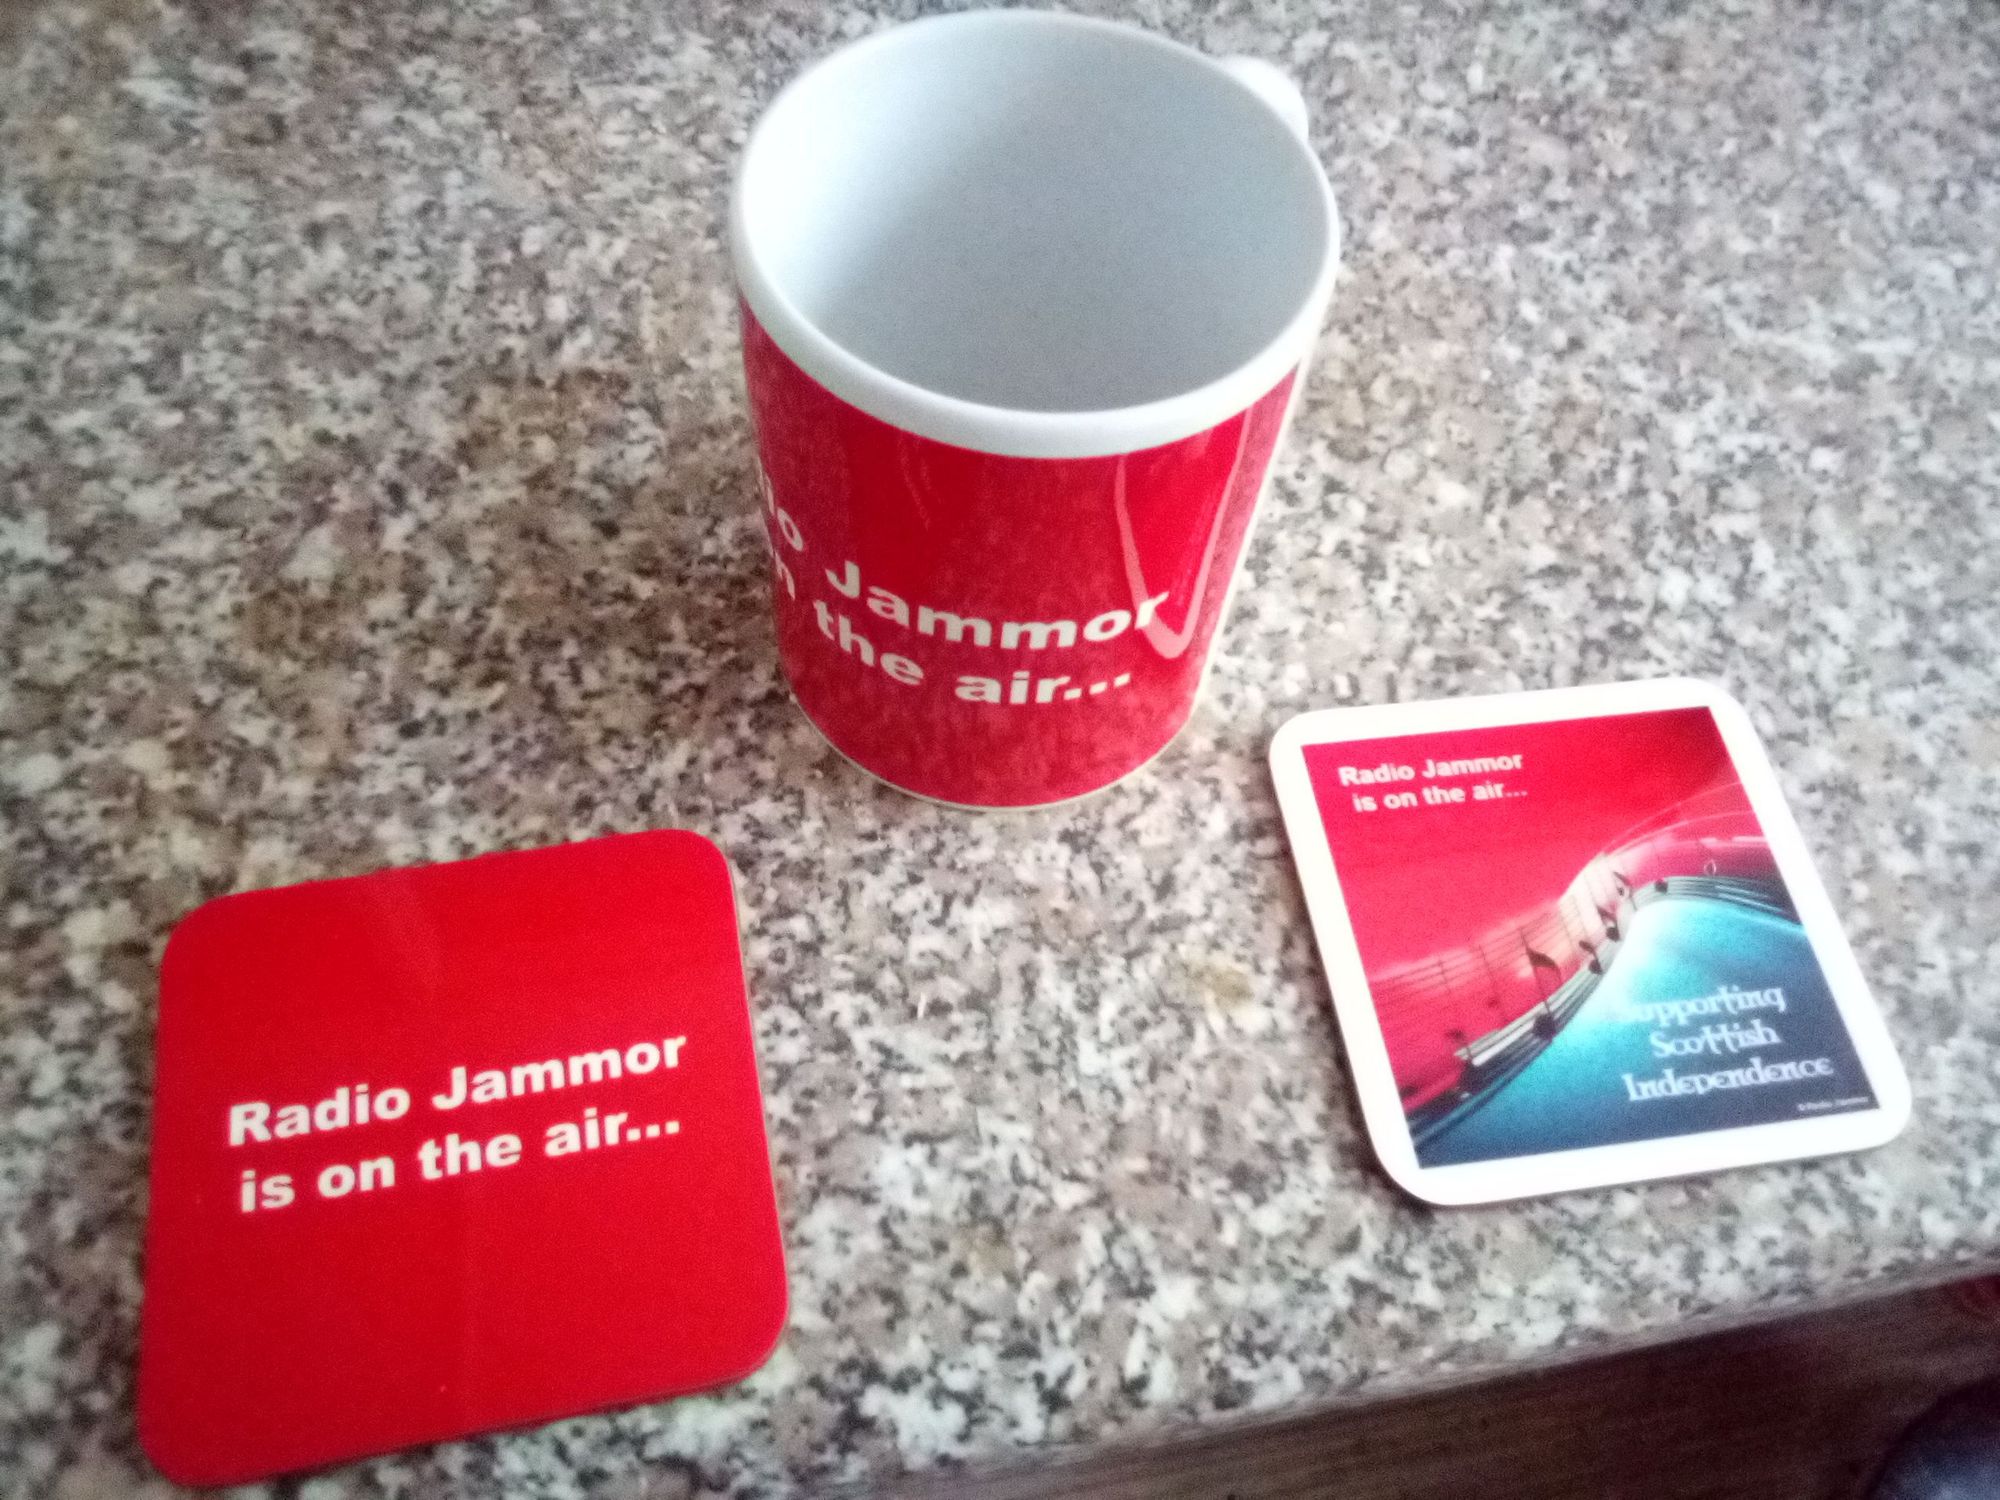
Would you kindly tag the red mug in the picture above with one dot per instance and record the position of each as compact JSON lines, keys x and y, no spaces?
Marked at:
{"x":1026,"y":302}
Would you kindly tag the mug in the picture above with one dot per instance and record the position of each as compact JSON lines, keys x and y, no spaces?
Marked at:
{"x":1026,"y":300}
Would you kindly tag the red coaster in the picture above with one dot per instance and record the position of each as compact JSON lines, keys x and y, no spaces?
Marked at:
{"x":449,"y":1149}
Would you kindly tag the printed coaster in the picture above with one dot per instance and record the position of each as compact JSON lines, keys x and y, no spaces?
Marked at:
{"x":448,"y":1149}
{"x":1574,"y":938}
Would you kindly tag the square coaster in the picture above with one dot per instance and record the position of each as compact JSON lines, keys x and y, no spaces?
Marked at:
{"x":448,"y":1149}
{"x":1574,"y":938}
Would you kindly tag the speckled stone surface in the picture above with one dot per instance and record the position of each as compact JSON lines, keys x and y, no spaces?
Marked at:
{"x":377,"y":489}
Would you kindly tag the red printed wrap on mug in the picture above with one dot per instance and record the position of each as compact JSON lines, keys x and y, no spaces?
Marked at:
{"x":1058,"y":610}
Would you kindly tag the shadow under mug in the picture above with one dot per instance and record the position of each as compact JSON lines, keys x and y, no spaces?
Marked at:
{"x":1026,"y":300}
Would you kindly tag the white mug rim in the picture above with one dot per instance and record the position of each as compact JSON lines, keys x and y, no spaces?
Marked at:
{"x":1013,"y":431}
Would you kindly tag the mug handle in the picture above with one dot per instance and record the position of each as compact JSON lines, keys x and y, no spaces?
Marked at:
{"x":1271,"y":84}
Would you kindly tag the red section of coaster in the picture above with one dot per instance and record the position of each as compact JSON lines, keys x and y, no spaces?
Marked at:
{"x":449,"y":1149}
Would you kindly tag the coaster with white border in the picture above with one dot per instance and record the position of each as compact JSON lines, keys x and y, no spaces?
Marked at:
{"x":448,"y":1149}
{"x":1574,"y":939}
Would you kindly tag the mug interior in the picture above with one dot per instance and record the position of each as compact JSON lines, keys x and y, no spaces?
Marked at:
{"x":1031,"y":212}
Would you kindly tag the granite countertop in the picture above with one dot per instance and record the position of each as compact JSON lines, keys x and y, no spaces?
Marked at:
{"x":377,"y":489}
